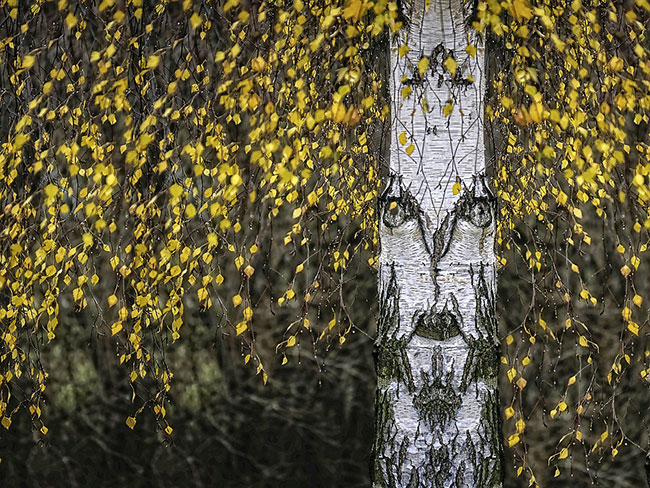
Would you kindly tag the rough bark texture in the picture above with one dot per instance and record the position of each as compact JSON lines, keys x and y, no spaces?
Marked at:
{"x":437,"y":346}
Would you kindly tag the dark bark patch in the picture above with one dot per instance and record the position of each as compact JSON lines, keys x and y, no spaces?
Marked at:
{"x":438,"y":467}
{"x":391,"y":360}
{"x":439,"y":326}
{"x":437,"y":401}
{"x":483,"y":356}
{"x":478,"y":211}
{"x":396,"y":204}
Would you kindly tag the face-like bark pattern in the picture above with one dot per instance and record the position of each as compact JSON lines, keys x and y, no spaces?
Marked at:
{"x":437,"y":345}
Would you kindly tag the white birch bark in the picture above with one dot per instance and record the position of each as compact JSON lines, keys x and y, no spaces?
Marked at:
{"x":437,"y":346}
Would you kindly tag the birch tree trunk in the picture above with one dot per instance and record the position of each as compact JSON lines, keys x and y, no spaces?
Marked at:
{"x":438,"y":422}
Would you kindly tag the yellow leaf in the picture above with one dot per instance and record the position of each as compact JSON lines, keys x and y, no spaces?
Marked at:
{"x":402,"y":138}
{"x":70,"y":20}
{"x":51,"y":190}
{"x":626,"y":313}
{"x":513,"y":440}
{"x":354,"y":10}
{"x":241,"y":327}
{"x":456,"y":188}
{"x":637,"y":300}
{"x":564,"y":453}
{"x":202,"y":294}
{"x":633,"y":327}
{"x":77,"y":294}
{"x":471,"y":50}
{"x":447,"y":110}
{"x":451,"y":65}
{"x":175,"y":190}
{"x":28,"y":61}
{"x":536,"y":111}
{"x":236,"y":300}
{"x":521,"y":10}
{"x":512,"y":373}
{"x":130,"y":421}
{"x":291,"y":341}
{"x":153,"y":61}
{"x":112,"y":300}
{"x":410,"y":149}
{"x":509,"y":412}
{"x":338,"y":112}
{"x":258,"y":64}
{"x":116,"y":327}
{"x":423,"y":65}
{"x":520,"y":426}
{"x":196,"y":20}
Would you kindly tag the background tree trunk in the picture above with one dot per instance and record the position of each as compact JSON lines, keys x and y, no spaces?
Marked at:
{"x":437,"y":415}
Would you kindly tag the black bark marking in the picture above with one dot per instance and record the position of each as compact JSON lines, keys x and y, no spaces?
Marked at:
{"x":437,"y":401}
{"x":478,"y":211}
{"x":397,"y":204}
{"x":477,"y":206}
{"x":391,"y":359}
{"x":439,"y":326}
{"x":382,"y":474}
{"x":438,"y":466}
{"x":414,"y":482}
{"x":437,"y":57}
{"x":483,"y":356}
{"x":488,"y":471}
{"x":404,"y":209}
{"x":442,"y":238}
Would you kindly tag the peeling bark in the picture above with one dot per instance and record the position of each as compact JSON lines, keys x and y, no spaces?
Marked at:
{"x":437,"y":345}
